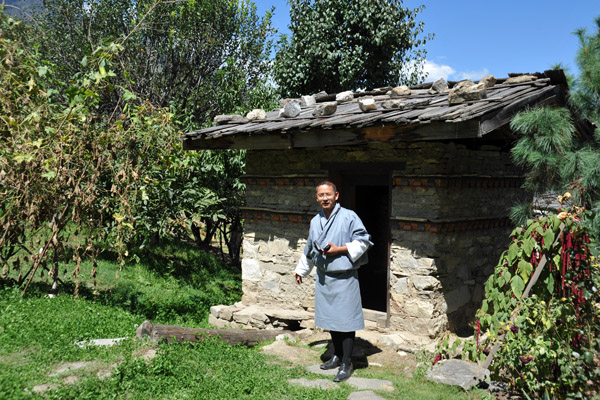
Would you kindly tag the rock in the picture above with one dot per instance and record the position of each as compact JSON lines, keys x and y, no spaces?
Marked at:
{"x":394,"y":341}
{"x":400,"y":91}
{"x":419,"y":308}
{"x":467,"y":93}
{"x":308,"y":101}
{"x":316,"y":383}
{"x":372,"y":384}
{"x":457,"y":298}
{"x":255,"y":114}
{"x":439,"y":86}
{"x":222,"y":312}
{"x":390,"y":104}
{"x":316,"y":369}
{"x":367,"y":103}
{"x":290,"y":109}
{"x":324,"y":109}
{"x":488,"y":81}
{"x":285,"y":337}
{"x":401,"y":286}
{"x":463,"y":84}
{"x":424,"y":282}
{"x":458,"y":372}
{"x":365,"y":395}
{"x":99,"y":342}
{"x":229,"y":119}
{"x":320,"y":96}
{"x":344,"y":97}
{"x":283,"y":102}
{"x":42,"y":388}
{"x":521,"y":79}
{"x":280,"y":313}
{"x":251,"y":270}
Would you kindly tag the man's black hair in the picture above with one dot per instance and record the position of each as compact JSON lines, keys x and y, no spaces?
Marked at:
{"x":328,"y":183}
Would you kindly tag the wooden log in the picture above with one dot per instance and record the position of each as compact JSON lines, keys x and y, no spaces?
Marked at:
{"x":156,"y":333}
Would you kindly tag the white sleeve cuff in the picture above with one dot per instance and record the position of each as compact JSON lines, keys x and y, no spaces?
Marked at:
{"x":356,"y":249}
{"x":303,"y":267}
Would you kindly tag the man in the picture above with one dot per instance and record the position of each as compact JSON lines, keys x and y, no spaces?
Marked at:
{"x":337,"y":244}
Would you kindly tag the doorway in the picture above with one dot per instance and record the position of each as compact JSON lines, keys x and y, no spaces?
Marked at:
{"x":372,"y":205}
{"x":368,"y":194}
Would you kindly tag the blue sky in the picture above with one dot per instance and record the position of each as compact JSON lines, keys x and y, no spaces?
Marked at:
{"x":476,"y":38}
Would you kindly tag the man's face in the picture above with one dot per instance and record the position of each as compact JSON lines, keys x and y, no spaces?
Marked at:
{"x":326,"y":197}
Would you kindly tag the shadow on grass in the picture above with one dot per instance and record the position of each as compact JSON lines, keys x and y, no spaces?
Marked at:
{"x":181,"y":283}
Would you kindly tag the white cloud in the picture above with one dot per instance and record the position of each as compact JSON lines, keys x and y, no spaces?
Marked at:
{"x":472,"y":75}
{"x":436,"y":71}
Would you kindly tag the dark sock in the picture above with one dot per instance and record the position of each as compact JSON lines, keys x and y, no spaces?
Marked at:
{"x":337,"y":339}
{"x":348,"y":346}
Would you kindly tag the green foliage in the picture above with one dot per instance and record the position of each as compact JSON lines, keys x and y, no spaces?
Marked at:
{"x":556,"y":156}
{"x":64,"y":163}
{"x":586,"y":96}
{"x":200,"y":58}
{"x":547,"y":136}
{"x":550,"y":339}
{"x":341,"y":44}
{"x":82,"y":153}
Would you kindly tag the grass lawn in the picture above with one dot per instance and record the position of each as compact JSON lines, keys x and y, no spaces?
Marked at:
{"x":173,"y":285}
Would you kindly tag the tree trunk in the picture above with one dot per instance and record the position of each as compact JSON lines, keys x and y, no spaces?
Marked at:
{"x":171,"y":333}
{"x":235,"y":241}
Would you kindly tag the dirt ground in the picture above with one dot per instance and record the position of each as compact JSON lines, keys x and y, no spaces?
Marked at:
{"x":315,"y":349}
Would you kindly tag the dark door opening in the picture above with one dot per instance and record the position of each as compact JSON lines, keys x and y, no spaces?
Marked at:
{"x":371,"y":203}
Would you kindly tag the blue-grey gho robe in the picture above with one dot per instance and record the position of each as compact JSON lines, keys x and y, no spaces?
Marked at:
{"x":338,"y":305}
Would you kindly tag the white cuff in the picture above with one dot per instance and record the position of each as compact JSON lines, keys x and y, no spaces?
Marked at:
{"x":303,"y":267}
{"x":356,"y":249}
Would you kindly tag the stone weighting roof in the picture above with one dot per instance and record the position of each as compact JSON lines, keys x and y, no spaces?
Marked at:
{"x":434,"y":111}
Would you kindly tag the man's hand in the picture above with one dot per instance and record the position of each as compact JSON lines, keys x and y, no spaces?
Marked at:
{"x":298,"y":278}
{"x":335,"y":250}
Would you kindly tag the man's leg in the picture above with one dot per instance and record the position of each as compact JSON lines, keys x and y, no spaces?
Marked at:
{"x":347,"y":346}
{"x":337,"y":339}
{"x":347,"y":339}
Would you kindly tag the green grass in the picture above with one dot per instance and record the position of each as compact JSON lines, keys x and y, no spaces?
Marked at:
{"x":173,"y":285}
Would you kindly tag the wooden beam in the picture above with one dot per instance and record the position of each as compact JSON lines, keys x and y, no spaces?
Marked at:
{"x":171,"y":333}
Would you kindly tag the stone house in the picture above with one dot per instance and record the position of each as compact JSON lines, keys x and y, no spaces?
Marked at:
{"x":428,"y":170}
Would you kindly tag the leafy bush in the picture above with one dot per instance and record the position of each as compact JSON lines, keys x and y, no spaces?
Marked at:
{"x":550,"y":340}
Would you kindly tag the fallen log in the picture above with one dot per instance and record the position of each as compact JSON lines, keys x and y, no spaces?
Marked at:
{"x":156,"y":333}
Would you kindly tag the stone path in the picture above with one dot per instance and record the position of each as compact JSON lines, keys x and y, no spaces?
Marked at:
{"x":365,"y":386}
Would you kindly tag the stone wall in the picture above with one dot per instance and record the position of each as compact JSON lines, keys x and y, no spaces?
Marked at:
{"x":449,"y":206}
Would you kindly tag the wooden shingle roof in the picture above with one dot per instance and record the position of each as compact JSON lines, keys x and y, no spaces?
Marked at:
{"x":423,"y":116}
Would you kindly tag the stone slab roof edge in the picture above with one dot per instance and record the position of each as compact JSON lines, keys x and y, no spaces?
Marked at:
{"x":423,"y":112}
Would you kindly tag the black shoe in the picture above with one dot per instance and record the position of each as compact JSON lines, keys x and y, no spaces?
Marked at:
{"x":333,"y":362}
{"x":344,"y":373}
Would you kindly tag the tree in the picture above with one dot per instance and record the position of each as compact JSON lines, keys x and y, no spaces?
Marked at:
{"x":200,"y":58}
{"x":557,"y":156}
{"x":71,"y":177}
{"x":349,"y":44}
{"x":586,"y":96}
